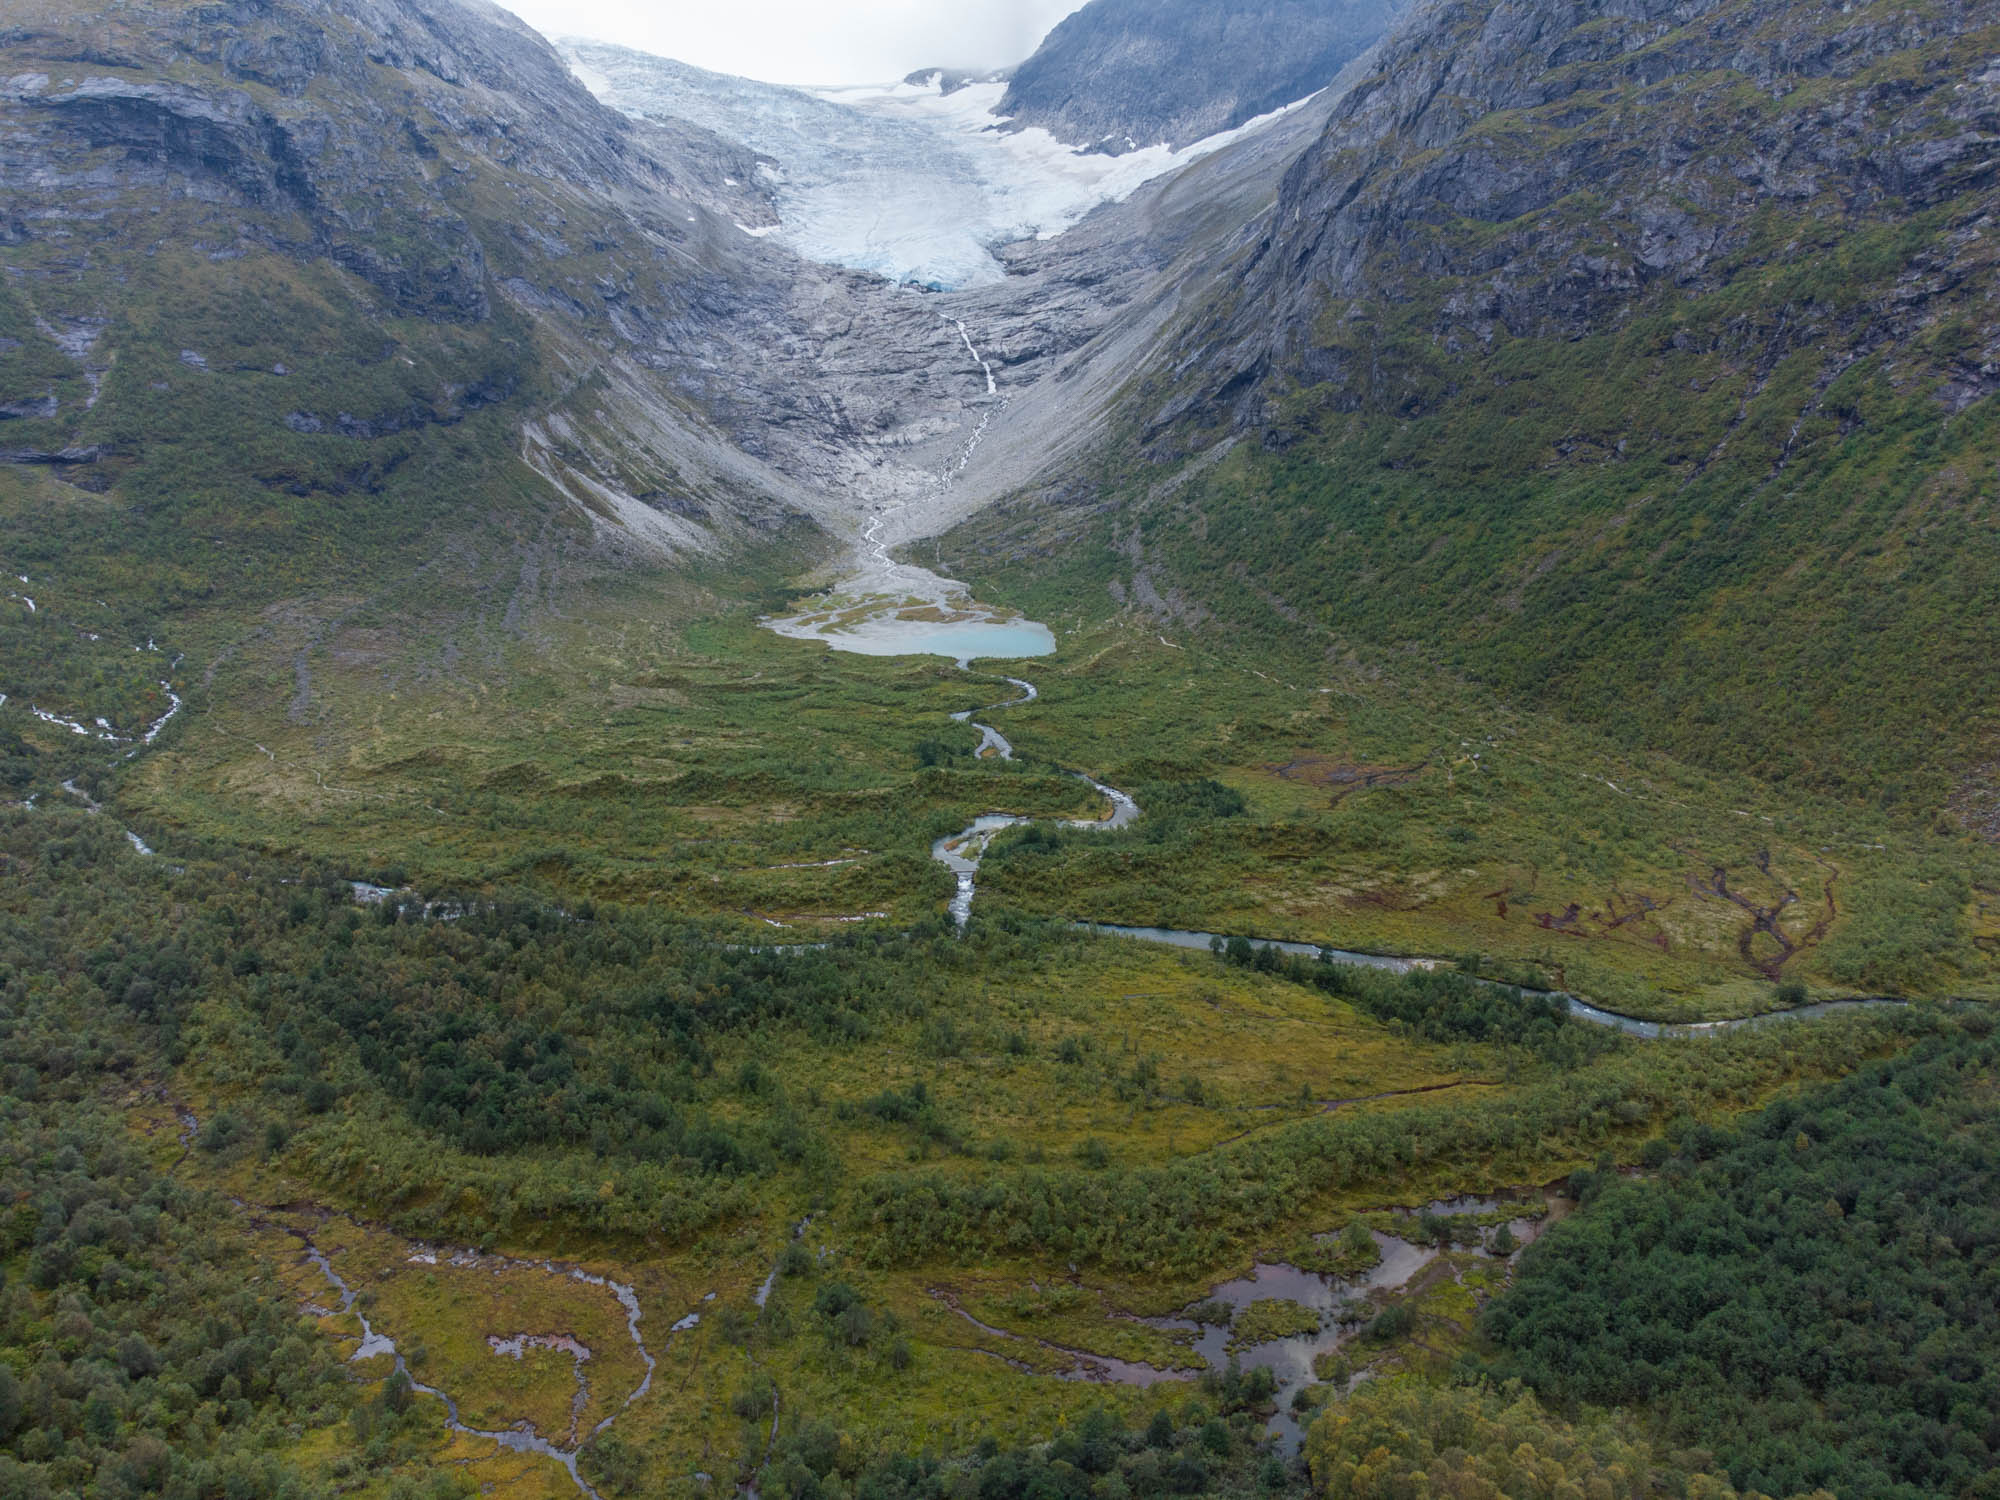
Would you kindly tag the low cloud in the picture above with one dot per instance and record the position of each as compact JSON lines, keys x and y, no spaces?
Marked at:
{"x":798,"y":41}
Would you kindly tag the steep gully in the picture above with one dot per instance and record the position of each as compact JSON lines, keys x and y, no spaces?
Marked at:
{"x":883,"y":607}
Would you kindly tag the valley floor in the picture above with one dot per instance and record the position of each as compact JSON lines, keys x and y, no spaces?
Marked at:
{"x":591,"y":1025}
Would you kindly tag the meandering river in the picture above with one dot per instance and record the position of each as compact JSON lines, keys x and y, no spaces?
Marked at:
{"x":962,"y":852}
{"x":521,"y":1438}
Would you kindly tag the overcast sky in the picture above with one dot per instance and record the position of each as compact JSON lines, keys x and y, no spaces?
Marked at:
{"x":810,"y":41}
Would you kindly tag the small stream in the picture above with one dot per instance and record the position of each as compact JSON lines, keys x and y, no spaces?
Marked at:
{"x":522,"y":1438}
{"x":1579,"y":1009}
{"x":517,"y":1347}
{"x":1344,"y":1305}
{"x":374,"y":1345}
{"x":1654,"y":1030}
{"x":762,"y":1296}
{"x":92,"y":806}
{"x":106,"y":732}
{"x":962,"y":852}
{"x":1175,"y":937}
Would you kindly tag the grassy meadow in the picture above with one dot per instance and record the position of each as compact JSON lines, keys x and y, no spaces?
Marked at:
{"x":586,"y":1026}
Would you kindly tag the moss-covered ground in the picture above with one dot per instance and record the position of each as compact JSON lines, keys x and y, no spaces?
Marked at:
{"x":631,"y":762}
{"x":721,"y":771}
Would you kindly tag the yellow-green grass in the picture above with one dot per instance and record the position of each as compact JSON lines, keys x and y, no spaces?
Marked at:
{"x":720,"y":770}
{"x":577,"y":783}
{"x":713,"y":770}
{"x":1271,"y":1318}
{"x":1485,"y":830}
{"x":960,"y":1383}
{"x":950,"y":1396}
{"x":503,"y":1473}
{"x":1066,"y":1314}
{"x":453,"y":1313}
{"x":1229,"y":1051}
{"x":1445,"y":1299}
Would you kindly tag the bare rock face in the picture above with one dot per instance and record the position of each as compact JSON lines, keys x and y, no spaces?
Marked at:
{"x":522,"y":277}
{"x":1123,"y":74}
{"x":1535,"y":168}
{"x":329,"y":120}
{"x":443,"y":157}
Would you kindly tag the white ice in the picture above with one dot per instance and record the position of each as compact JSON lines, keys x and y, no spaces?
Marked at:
{"x":904,"y":180}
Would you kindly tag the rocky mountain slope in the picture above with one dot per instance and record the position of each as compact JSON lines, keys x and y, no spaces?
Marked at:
{"x":319,"y":320}
{"x":1556,"y":166}
{"x":1120,"y":75}
{"x":419,"y":168}
{"x":1638,"y":362}
{"x":1638,"y":359}
{"x":304,"y":303}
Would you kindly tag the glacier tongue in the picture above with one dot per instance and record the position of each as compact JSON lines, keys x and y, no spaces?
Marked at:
{"x":904,"y":181}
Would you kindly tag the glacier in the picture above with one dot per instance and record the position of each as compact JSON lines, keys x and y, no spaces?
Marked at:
{"x":906,"y":181}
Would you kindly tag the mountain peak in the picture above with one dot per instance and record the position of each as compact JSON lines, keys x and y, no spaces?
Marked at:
{"x":951,"y":80}
{"x":1121,"y":75}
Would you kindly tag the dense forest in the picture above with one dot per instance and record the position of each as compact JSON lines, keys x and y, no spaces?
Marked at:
{"x":1806,"y":1295}
{"x":456,"y":1052}
{"x":1407,"y":1438}
{"x":1812,"y":1297}
{"x":1195,"y":1212}
{"x":1444,"y":1004}
{"x":139,"y":1353}
{"x":1399,"y":1439}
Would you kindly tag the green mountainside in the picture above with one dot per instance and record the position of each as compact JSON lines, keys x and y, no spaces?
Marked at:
{"x":312,"y":310}
{"x":1637,"y":361}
